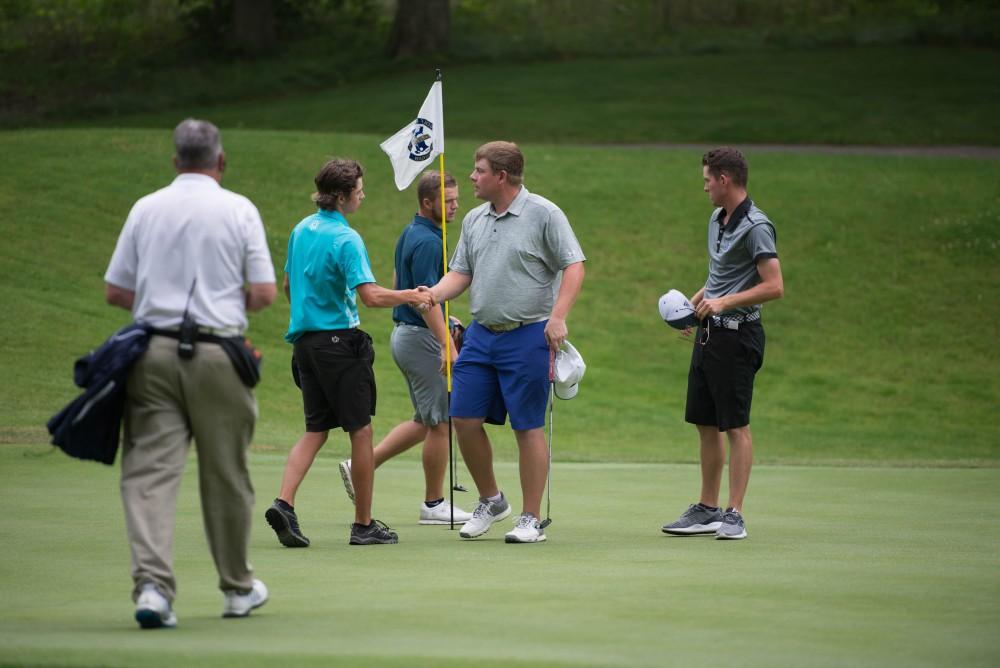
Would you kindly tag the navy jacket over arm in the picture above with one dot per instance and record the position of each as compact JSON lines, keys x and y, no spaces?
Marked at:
{"x":88,"y":428}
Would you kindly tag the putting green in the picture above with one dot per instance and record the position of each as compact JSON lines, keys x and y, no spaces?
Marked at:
{"x":844,"y":566}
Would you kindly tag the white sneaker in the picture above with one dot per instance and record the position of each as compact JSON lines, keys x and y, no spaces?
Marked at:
{"x":152,"y":609}
{"x":441,"y":514}
{"x":240,"y":605}
{"x":483,"y":517}
{"x":345,"y":475}
{"x":527,"y":530}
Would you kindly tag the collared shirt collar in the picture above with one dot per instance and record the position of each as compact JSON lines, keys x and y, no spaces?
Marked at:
{"x":332,"y":216}
{"x":738,"y":213}
{"x":195,"y":177}
{"x":516,"y":205}
{"x":426,"y":222}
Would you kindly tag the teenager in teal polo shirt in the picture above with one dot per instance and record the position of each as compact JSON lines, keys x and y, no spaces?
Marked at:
{"x":326,"y":269}
{"x":419,"y":343}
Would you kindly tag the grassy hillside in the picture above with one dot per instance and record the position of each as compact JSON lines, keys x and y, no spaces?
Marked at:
{"x":882,"y":350}
{"x":876,"y":95}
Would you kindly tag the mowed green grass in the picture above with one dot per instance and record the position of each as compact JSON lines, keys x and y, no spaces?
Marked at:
{"x":873,"y":95}
{"x":883,"y":349}
{"x":844,"y":566}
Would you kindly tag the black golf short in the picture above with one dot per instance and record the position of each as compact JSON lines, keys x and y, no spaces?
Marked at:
{"x":720,"y":380}
{"x":337,"y":379}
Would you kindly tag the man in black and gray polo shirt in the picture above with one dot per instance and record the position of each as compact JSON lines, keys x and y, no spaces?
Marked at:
{"x":743,"y":273}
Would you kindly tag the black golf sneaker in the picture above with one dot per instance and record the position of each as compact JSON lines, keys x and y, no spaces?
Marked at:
{"x":285,"y":523}
{"x":375,"y":533}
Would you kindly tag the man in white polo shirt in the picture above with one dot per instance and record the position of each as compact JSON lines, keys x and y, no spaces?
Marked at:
{"x":190,"y":252}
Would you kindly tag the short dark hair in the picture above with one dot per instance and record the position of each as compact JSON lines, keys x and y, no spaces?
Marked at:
{"x":728,"y":161}
{"x":336,"y":178}
{"x":503,"y":156}
{"x":429,"y":186}
{"x":197,"y":144}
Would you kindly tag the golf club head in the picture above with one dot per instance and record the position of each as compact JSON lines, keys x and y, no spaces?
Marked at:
{"x":459,"y":488}
{"x":544,"y":523}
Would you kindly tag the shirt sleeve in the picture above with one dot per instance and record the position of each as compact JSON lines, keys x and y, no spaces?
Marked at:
{"x":760,"y":242}
{"x":125,"y":260}
{"x":425,"y":263}
{"x":357,"y":268}
{"x":462,"y":260}
{"x":288,"y":251}
{"x":258,"y":265}
{"x":561,"y":241}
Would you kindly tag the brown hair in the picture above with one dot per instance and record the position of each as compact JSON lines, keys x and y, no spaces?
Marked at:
{"x":728,"y":161}
{"x":503,"y":156}
{"x":337,"y":178}
{"x":429,"y":186}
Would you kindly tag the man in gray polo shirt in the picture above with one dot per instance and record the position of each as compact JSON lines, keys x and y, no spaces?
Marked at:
{"x":743,"y":273}
{"x":524,"y":269}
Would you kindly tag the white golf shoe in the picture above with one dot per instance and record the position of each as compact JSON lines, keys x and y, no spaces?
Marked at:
{"x":527,"y":530}
{"x":441,"y":514}
{"x":152,"y":609}
{"x":345,"y":475}
{"x":483,"y":517}
{"x":240,"y":605}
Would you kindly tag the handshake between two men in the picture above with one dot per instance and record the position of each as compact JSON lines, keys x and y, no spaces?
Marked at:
{"x":422,"y":298}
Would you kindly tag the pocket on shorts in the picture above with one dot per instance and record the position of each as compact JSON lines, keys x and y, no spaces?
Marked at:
{"x":752,"y":345}
{"x":364,"y":348}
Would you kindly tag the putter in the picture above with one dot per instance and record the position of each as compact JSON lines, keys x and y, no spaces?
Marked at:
{"x":548,"y":474}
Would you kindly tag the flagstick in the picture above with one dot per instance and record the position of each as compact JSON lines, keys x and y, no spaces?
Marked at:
{"x":447,"y":354}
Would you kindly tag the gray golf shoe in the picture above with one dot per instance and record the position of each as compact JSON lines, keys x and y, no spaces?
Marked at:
{"x":732,"y":526}
{"x":483,"y":517}
{"x":697,"y":519}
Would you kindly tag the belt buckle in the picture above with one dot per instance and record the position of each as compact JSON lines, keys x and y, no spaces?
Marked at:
{"x":727,"y":322}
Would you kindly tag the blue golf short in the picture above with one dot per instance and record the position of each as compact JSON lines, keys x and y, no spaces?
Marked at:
{"x":500,"y":374}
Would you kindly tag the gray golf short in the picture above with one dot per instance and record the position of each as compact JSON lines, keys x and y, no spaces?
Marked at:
{"x":418,"y":355}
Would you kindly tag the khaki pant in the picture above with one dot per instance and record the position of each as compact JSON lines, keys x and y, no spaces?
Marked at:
{"x":170,"y":401}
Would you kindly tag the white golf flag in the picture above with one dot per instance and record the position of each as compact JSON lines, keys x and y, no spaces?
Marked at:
{"x":417,"y":143}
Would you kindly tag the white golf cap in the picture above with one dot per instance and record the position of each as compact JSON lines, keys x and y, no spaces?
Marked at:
{"x":569,"y":370}
{"x":676,"y":310}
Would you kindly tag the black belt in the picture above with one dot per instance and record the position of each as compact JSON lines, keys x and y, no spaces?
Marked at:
{"x":203,"y":338}
{"x":245,"y":358}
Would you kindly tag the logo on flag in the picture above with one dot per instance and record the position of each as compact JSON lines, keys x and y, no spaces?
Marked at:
{"x":419,"y":141}
{"x":422,"y":142}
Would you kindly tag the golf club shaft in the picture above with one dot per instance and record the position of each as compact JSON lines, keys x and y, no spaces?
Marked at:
{"x":451,"y":469}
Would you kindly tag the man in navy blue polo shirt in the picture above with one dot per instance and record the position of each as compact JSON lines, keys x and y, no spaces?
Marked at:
{"x":419,"y":343}
{"x":743,"y":273}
